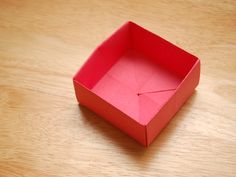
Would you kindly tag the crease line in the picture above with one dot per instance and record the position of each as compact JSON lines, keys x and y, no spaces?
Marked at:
{"x":166,"y":90}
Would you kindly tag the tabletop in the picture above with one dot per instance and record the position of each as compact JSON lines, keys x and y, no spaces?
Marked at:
{"x":43,"y":130}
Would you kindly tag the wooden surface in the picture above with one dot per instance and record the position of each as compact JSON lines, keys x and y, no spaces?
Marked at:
{"x":43,"y":131}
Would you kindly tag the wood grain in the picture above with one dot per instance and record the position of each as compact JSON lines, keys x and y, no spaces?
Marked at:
{"x":43,"y":131}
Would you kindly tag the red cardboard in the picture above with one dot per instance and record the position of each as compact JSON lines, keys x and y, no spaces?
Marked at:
{"x":137,"y":81}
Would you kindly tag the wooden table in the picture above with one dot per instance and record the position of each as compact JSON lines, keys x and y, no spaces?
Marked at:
{"x":43,"y":131}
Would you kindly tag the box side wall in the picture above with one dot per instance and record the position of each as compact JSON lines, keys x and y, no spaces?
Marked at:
{"x":104,"y":56}
{"x":161,"y":51}
{"x":183,"y":92}
{"x":157,"y":124}
{"x":186,"y":88}
{"x":110,"y":113}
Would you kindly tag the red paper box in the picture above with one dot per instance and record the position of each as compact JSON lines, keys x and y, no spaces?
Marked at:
{"x":137,"y":81}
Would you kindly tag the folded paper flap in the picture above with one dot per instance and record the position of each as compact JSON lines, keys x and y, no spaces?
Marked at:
{"x":159,"y":100}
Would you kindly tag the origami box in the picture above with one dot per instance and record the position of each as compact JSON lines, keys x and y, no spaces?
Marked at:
{"x":137,"y":81}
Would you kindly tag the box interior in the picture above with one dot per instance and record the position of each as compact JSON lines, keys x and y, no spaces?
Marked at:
{"x":136,"y":71}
